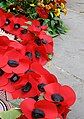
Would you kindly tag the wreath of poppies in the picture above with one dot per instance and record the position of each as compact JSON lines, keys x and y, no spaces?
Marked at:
{"x":22,"y":74}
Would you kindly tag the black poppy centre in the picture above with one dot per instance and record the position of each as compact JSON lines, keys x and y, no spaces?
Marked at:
{"x":17,"y":26}
{"x":41,"y":87}
{"x":7,"y":22}
{"x":14,"y":78}
{"x":37,"y":113}
{"x":39,"y":42}
{"x":37,"y":54}
{"x":29,"y":54}
{"x":1,"y":72}
{"x":57,"y":98}
{"x":27,"y":87}
{"x":12,"y":63}
{"x":24,"y":31}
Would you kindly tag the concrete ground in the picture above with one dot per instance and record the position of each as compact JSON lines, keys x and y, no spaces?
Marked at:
{"x":68,"y":61}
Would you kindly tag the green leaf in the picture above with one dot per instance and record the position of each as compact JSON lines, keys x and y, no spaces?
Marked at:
{"x":51,"y":14}
{"x":10,"y":114}
{"x":3,"y":4}
{"x":16,"y":102}
{"x":52,"y":23}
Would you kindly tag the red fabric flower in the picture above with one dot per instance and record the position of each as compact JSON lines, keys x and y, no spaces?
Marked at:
{"x":4,"y":43}
{"x":26,"y":87}
{"x":43,"y":13}
{"x":41,"y":109}
{"x":59,"y":94}
{"x":48,"y":77}
{"x":14,"y":62}
{"x":3,"y":78}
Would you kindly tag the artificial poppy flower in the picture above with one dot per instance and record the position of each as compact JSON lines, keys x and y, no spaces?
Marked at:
{"x":3,"y":78}
{"x":40,"y":49}
{"x":47,"y":42}
{"x":4,"y":42}
{"x":18,"y":22}
{"x":35,"y":22}
{"x":45,"y":77}
{"x":64,"y":114}
{"x":14,"y":62}
{"x":40,"y":109}
{"x":17,"y":46}
{"x":2,"y":17}
{"x":5,"y":17}
{"x":36,"y":53}
{"x":12,"y":80}
{"x":27,"y":87}
{"x":13,"y":24}
{"x":43,"y":13}
{"x":26,"y":36}
{"x":59,"y":94}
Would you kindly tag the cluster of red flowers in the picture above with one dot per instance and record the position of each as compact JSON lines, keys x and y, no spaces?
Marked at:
{"x":38,"y":45}
{"x":22,"y":74}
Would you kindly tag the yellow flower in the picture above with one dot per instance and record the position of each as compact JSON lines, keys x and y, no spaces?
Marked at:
{"x":57,"y":12}
{"x":65,"y":11}
{"x":62,"y":6}
{"x":47,"y":7}
{"x":41,"y":4}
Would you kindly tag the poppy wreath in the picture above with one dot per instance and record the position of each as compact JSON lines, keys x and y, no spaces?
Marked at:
{"x":48,"y":12}
{"x":35,"y":92}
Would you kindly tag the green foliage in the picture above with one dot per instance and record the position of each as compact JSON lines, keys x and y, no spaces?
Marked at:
{"x":55,"y":25}
{"x":20,"y":7}
{"x":10,"y":114}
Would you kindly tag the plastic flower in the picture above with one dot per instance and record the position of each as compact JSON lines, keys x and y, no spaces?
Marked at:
{"x":4,"y":42}
{"x":14,"y":62}
{"x":26,"y":87}
{"x":3,"y":78}
{"x":41,"y":109}
{"x":60,"y":94}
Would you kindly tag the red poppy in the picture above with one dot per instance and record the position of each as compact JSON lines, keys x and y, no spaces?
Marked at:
{"x":41,"y":47}
{"x":15,"y":83}
{"x":2,"y":17}
{"x":5,"y":19}
{"x":41,"y":109}
{"x":59,"y":94}
{"x":3,"y":78}
{"x":43,"y":13}
{"x":26,"y":87}
{"x":47,"y":42}
{"x":37,"y":53}
{"x":48,"y":77}
{"x":4,"y":42}
{"x":26,"y":36}
{"x":17,"y":46}
{"x":14,"y":62}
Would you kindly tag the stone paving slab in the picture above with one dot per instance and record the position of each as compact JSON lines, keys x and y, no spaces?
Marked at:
{"x":77,"y":5}
{"x":68,"y":61}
